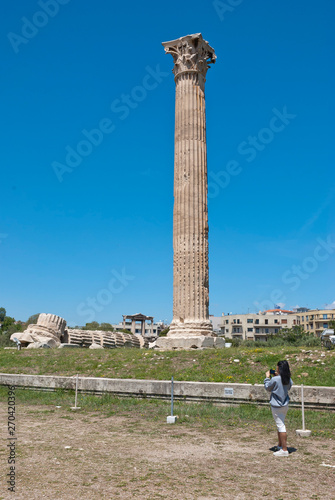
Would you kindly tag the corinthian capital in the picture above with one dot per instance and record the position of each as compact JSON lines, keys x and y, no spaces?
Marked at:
{"x":190,"y":53}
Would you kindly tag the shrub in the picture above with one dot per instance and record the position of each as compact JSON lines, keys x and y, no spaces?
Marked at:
{"x":236,"y":342}
{"x":5,"y":340}
{"x":164,"y":333}
{"x":276,"y":341}
{"x":311,"y":341}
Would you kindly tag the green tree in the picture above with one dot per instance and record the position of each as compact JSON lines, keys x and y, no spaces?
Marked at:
{"x":2,"y":314}
{"x":5,"y":340}
{"x":106,"y":327}
{"x":91,"y":326}
{"x":13,"y":328}
{"x":8,"y":321}
{"x":294,"y":336}
{"x":32,"y":320}
{"x":331,"y":324}
{"x":7,"y":328}
{"x":124,"y":330}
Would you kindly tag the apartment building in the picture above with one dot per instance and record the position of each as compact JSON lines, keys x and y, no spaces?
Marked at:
{"x":315,"y":320}
{"x":216,"y":322}
{"x":256,"y":326}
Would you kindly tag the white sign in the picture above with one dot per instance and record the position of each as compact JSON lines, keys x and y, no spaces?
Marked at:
{"x":228,"y":391}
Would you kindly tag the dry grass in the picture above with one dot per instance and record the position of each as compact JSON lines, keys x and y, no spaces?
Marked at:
{"x":135,"y":456}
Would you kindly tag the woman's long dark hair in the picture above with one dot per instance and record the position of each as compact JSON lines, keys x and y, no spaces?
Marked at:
{"x":284,"y":372}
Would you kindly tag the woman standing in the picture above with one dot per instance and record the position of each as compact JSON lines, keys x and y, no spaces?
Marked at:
{"x":279,"y":386}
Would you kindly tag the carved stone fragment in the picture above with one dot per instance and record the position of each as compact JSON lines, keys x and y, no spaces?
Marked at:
{"x":49,"y":329}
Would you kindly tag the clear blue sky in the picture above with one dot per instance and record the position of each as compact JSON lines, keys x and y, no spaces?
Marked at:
{"x":99,"y":244}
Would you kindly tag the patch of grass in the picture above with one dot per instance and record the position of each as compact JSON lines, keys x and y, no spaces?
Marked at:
{"x":208,"y":365}
{"x":206,"y":415}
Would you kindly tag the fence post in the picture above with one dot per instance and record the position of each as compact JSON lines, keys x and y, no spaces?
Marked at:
{"x":171,"y":419}
{"x":303,"y":432}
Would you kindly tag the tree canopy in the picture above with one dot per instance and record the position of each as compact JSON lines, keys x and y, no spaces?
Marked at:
{"x":94,"y":325}
{"x":32,"y":320}
{"x":2,"y":314}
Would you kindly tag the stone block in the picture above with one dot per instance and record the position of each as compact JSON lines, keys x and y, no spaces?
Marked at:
{"x":208,"y":341}
{"x":95,"y":346}
{"x":38,"y":345}
{"x":219,"y":342}
{"x":141,"y":341}
{"x":303,"y":433}
{"x":169,"y":343}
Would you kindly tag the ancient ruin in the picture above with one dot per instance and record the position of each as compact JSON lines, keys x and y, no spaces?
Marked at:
{"x":108,"y":340}
{"x":192,"y":56}
{"x":138,"y":318}
{"x":51,"y":331}
{"x":190,"y":326}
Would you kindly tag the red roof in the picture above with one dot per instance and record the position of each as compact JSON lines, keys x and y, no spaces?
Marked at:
{"x":278,"y":310}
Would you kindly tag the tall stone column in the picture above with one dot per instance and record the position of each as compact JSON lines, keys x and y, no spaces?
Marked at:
{"x":192,"y":56}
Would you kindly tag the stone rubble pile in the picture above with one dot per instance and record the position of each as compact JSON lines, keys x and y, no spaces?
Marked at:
{"x":51,"y":331}
{"x":108,"y":340}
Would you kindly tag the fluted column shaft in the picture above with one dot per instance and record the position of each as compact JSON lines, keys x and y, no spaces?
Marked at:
{"x":190,"y":221}
{"x":190,"y":217}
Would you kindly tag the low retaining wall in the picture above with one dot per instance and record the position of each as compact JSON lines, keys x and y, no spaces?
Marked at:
{"x":222,"y":393}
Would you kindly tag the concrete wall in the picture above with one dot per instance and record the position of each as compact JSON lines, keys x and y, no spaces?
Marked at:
{"x":314,"y":397}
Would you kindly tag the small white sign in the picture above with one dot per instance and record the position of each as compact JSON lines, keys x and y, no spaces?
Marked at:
{"x":228,"y":391}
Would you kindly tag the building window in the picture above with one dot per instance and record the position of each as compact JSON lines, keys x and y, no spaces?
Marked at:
{"x":276,"y":330}
{"x":257,"y":321}
{"x":306,"y":318}
{"x":250,"y":320}
{"x":325,"y":325}
{"x":266,"y":321}
{"x":227,"y":330}
{"x":257,"y":330}
{"x":266,"y":330}
{"x":276,"y":322}
{"x":302,"y":318}
{"x":235,"y":321}
{"x":324,"y":316}
{"x":284,"y":321}
{"x":227,"y":321}
{"x":250,"y":329}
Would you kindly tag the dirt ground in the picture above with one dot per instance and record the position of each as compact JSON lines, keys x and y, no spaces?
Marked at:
{"x":130,"y":457}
